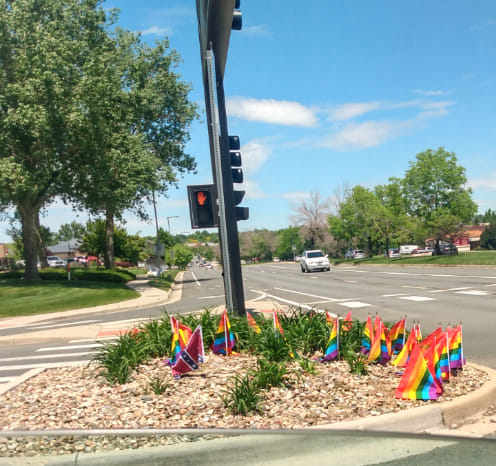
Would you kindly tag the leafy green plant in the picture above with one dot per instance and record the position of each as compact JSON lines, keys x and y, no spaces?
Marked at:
{"x":156,"y":337}
{"x":357,"y":363}
{"x":119,"y":358}
{"x":272,"y":345}
{"x":243,"y":396}
{"x":308,"y":366}
{"x":157,"y":386}
{"x":269,"y":374}
{"x":306,"y":332}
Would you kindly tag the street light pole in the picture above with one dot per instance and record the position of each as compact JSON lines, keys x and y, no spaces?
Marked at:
{"x":168,"y":222}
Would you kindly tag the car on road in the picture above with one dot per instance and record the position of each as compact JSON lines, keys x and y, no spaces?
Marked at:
{"x":55,"y":261}
{"x":448,"y":250}
{"x":355,"y":254}
{"x":419,"y":251}
{"x":314,"y":260}
{"x":394,"y":252}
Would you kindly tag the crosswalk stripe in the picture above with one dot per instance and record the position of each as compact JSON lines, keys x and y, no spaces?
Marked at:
{"x":45,"y":356}
{"x":45,"y":365}
{"x":62,"y":348}
{"x":67,"y":324}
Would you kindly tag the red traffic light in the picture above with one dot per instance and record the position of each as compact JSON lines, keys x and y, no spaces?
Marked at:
{"x":201,"y":197}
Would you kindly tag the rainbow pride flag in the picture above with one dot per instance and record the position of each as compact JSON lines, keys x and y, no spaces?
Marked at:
{"x":368,"y":334}
{"x":252,"y":322}
{"x":403,"y":356}
{"x":224,"y":338}
{"x":332,"y":349}
{"x":180,"y":337}
{"x":442,"y":348}
{"x":457,"y":358}
{"x":417,"y":382}
{"x":432,"y":359}
{"x":397,"y":335}
{"x":432,"y":338}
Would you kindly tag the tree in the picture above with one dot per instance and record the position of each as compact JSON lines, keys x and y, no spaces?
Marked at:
{"x":182,"y":255}
{"x":134,"y":131}
{"x":288,"y":238}
{"x":44,"y":46}
{"x":489,"y":216}
{"x":68,"y":231}
{"x":434,"y":192}
{"x":488,"y":237}
{"x":312,"y":215}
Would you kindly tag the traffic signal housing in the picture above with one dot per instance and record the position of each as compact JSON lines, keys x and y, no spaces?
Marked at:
{"x":242,"y":213}
{"x":203,"y":206}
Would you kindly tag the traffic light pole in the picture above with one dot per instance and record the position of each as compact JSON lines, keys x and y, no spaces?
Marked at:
{"x":221,"y":168}
{"x":215,"y":19}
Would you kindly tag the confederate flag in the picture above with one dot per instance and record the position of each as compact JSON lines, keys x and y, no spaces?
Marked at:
{"x":190,"y":357}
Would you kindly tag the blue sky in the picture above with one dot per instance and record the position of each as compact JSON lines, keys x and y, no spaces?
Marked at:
{"x":331,"y":94}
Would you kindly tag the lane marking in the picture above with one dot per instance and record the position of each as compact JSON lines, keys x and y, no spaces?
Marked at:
{"x":196,"y":280}
{"x":393,"y":295}
{"x":61,"y":348}
{"x":327,"y":298}
{"x":47,"y":365}
{"x":417,"y":298}
{"x":65,"y":324}
{"x":44,"y":356}
{"x":416,"y":287}
{"x":474,"y":292}
{"x":355,"y":304}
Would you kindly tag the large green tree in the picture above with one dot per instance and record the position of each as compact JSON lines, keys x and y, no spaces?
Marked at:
{"x":435,"y":193}
{"x":134,"y":130}
{"x":44,"y":46}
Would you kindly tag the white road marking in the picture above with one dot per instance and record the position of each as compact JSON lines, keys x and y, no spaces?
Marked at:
{"x":44,"y":365}
{"x":474,"y":292}
{"x":61,"y":348}
{"x":327,"y":298}
{"x":416,"y":287}
{"x":116,"y":337}
{"x":196,"y":280}
{"x":67,"y":324}
{"x":354,"y":304}
{"x":393,"y":295}
{"x":416,"y":298}
{"x":45,"y":356}
{"x":6,"y":379}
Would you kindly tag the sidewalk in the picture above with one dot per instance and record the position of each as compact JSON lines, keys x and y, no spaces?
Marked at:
{"x":462,"y":416}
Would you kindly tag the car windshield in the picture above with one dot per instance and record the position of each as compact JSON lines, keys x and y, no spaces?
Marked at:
{"x":314,"y":254}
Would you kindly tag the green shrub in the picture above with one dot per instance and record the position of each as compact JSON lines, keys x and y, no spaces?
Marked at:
{"x":157,"y":386}
{"x":306,"y":332}
{"x":269,"y":374}
{"x":272,"y":345}
{"x":111,"y":275}
{"x":357,"y":362}
{"x":243,"y":396}
{"x":156,"y":337}
{"x":120,"y":358}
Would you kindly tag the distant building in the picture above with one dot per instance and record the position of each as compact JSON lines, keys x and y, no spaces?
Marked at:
{"x":64,"y":249}
{"x":474,"y":233}
{"x":4,"y":250}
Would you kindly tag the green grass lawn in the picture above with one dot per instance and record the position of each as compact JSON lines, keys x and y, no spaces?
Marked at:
{"x":20,"y":298}
{"x":463,"y":258}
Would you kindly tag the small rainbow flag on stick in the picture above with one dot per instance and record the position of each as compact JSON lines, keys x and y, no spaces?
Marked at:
{"x":224,"y":338}
{"x":180,"y":337}
{"x":332,"y":350}
{"x":417,"y":382}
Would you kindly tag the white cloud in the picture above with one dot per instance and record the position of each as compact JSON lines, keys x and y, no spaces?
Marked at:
{"x":488,"y":183}
{"x":279,"y":112}
{"x":256,"y":30}
{"x":434,"y":109}
{"x":355,"y":136}
{"x":254,"y":154}
{"x":157,"y":31}
{"x":430,"y":92}
{"x":351,"y":110}
{"x":486,"y":24}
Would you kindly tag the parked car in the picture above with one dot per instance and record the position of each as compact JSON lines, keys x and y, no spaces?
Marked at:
{"x":314,"y":260}
{"x":55,"y":261}
{"x":448,"y":250}
{"x":355,"y":254}
{"x":419,"y":251}
{"x":394,"y":252}
{"x":407,"y":248}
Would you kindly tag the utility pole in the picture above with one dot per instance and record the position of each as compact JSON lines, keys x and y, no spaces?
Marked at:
{"x":216,"y":18}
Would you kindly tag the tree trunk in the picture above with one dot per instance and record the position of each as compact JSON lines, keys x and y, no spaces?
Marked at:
{"x":109,"y":240}
{"x":41,"y":244}
{"x":29,"y":240}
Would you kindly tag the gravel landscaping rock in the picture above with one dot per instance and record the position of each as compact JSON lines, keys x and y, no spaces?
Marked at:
{"x":81,"y":398}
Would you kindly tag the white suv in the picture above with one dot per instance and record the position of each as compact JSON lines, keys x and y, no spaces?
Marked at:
{"x":314,"y":260}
